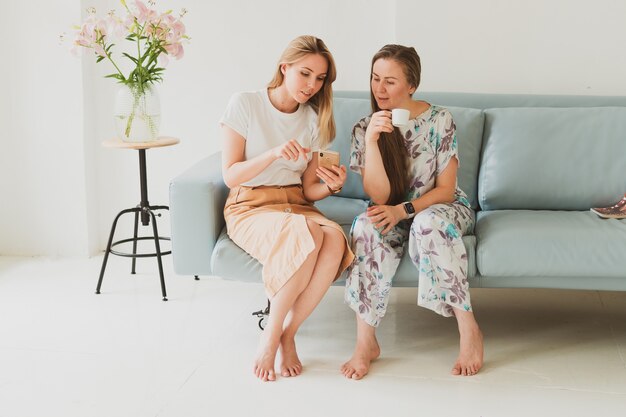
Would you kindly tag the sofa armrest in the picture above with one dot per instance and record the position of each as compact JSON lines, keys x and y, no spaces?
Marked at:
{"x":197,"y":198}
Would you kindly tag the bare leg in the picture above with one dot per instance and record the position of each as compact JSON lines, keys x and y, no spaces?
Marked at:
{"x":366,"y":350}
{"x":282,"y":302}
{"x":470,"y":358}
{"x":326,"y":267}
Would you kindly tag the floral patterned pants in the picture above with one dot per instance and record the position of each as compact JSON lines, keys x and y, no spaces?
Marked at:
{"x":436,"y":249}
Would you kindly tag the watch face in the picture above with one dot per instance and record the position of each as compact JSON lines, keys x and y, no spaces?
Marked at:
{"x":408,"y":207}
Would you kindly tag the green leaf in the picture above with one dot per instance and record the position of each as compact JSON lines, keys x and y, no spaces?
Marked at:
{"x":132,"y":58}
{"x":116,"y":76}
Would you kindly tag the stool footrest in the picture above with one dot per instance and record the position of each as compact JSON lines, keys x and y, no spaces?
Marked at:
{"x":137,"y":255}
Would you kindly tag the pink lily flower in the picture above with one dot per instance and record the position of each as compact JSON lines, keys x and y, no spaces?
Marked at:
{"x":162,"y":38}
{"x":145,"y":14}
{"x":99,"y":50}
{"x":175,"y":50}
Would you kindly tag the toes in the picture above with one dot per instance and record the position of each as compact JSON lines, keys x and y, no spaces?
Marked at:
{"x":357,"y":376}
{"x":291,"y":371}
{"x":265,"y":375}
{"x":456,"y":370}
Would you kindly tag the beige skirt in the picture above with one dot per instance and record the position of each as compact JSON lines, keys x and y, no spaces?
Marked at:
{"x":269,"y":223}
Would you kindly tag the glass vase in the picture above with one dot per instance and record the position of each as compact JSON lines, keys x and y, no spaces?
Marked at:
{"x":137,"y":113}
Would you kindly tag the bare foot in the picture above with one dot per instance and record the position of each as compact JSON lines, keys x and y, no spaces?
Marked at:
{"x":266,"y":355}
{"x":470,"y":358}
{"x":359,"y":364}
{"x":290,"y":364}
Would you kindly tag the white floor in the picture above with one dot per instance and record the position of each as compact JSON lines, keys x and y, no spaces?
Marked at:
{"x":65,"y":351}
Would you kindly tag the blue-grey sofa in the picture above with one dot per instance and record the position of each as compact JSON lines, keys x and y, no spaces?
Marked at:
{"x":531,"y":165}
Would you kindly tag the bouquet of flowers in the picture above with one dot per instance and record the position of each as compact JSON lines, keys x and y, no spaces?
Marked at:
{"x":154,"y":37}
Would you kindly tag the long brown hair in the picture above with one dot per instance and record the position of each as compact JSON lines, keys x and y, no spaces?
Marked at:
{"x":322,"y":102}
{"x":391,"y":145}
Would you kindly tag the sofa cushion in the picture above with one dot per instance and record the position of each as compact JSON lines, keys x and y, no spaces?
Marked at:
{"x":553,"y":158}
{"x":341,"y":210}
{"x":525,"y":243}
{"x":231,"y":262}
{"x":469,"y":135}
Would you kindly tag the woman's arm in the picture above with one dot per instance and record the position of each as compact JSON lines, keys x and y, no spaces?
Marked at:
{"x":237,"y":170}
{"x":375,"y":181}
{"x":386,"y":217}
{"x":444,"y":189}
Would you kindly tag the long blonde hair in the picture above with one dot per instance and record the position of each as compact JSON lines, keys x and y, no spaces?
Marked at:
{"x":392,"y":149}
{"x":322,"y":102}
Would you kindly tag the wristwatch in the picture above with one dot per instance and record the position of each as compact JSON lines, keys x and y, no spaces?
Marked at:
{"x":409,"y":209}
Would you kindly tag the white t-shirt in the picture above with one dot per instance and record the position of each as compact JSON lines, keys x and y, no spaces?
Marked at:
{"x":252,"y":115}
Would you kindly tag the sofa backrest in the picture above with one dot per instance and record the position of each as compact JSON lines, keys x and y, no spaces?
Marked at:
{"x":538,"y":151}
{"x":553,"y":158}
{"x":469,"y":123}
{"x":347,"y":112}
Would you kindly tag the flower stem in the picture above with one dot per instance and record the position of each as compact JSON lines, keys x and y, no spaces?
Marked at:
{"x":110,"y":58}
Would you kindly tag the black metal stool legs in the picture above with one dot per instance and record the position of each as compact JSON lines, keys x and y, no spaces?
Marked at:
{"x":132,"y":270}
{"x":108,"y":249}
{"x":146,"y":211}
{"x":149,"y":211}
{"x":158,"y":252}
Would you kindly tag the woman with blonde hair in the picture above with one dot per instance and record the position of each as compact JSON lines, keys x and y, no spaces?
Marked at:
{"x":271,"y":138}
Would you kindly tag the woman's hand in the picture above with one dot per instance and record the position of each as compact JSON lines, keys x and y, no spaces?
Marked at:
{"x":379,"y":123}
{"x":290,"y":150}
{"x":334,"y":178}
{"x":385,"y":217}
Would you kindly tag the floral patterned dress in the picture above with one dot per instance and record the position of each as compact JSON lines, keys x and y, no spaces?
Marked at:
{"x":433,"y":235}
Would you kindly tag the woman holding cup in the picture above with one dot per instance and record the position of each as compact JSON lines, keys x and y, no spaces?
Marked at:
{"x":410,"y":173}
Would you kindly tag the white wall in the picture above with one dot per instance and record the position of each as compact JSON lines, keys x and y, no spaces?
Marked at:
{"x":59,"y":189}
{"x":518,"y":46}
{"x":42,"y":173}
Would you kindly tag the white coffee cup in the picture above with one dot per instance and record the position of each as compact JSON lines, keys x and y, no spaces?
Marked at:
{"x":400,"y":117}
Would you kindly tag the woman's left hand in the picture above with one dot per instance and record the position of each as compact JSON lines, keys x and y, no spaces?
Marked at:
{"x":385,"y":217}
{"x":334,"y":178}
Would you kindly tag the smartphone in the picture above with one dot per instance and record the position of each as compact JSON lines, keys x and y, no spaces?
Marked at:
{"x":327,"y":159}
